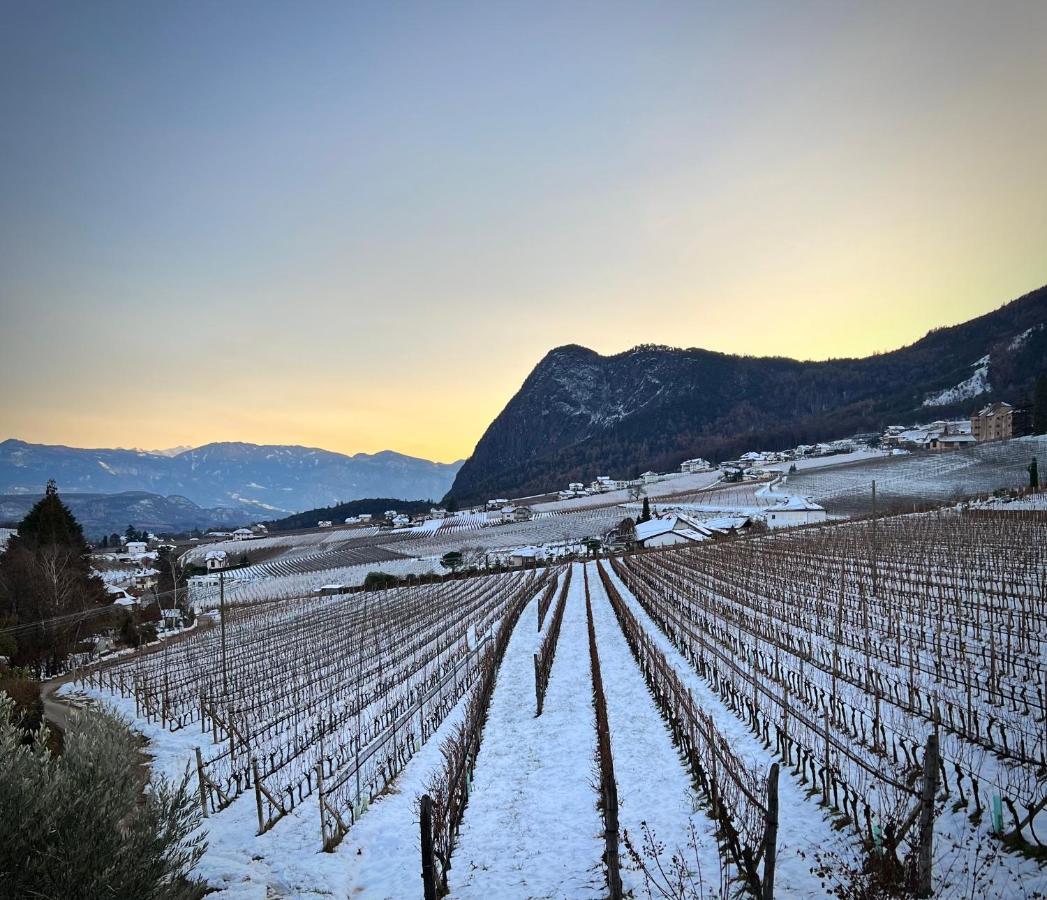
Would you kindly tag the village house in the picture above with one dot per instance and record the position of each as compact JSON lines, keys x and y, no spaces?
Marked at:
{"x":667,"y":532}
{"x":243,"y":534}
{"x":999,"y":422}
{"x":215,"y":559}
{"x":324,"y":523}
{"x":523,"y":514}
{"x":524,"y":556}
{"x":795,"y":511}
{"x":941,"y":442}
{"x":135,"y":548}
{"x":145,"y":579}
{"x":690,"y":466}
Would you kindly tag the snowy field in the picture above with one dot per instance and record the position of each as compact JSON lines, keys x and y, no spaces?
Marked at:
{"x":902,"y":481}
{"x":817,"y":650}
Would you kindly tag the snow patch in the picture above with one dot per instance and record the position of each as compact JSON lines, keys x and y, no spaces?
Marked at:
{"x":971,"y":387}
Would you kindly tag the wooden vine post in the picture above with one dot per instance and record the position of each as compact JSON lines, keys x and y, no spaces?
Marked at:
{"x":428,"y":869}
{"x":925,"y":837}
{"x":770,"y":834}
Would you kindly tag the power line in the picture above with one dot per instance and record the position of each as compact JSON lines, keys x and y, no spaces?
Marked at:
{"x":70,"y":618}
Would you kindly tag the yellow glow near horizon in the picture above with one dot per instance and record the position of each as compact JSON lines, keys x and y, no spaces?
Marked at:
{"x":362,"y":230}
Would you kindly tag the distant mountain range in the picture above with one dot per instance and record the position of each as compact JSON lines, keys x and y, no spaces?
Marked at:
{"x":102,"y":514}
{"x":258,"y":480}
{"x":580,"y":414}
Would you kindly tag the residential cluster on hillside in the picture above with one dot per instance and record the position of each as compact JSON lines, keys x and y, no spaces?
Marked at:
{"x":997,"y":421}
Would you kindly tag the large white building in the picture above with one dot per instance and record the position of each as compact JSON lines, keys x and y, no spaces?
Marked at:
{"x":794,"y":511}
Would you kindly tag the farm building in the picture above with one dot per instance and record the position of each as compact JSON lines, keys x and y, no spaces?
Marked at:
{"x":667,"y":532}
{"x":215,"y":559}
{"x":243,"y":534}
{"x":795,"y":511}
{"x":524,"y":556}
{"x":330,"y":590}
{"x":941,"y":442}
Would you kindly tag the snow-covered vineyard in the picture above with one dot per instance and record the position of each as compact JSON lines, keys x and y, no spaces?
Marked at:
{"x":903,"y":482}
{"x":763,"y":715}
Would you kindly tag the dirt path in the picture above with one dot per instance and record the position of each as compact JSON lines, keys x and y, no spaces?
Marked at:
{"x":57,"y":712}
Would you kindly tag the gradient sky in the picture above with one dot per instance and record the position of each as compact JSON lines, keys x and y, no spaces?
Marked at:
{"x":359,"y":226}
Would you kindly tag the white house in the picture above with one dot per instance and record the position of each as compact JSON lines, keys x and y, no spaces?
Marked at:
{"x":135,"y":548}
{"x":363,"y":517}
{"x":145,"y":579}
{"x":215,"y":559}
{"x":324,"y":523}
{"x":525,"y":556}
{"x":667,"y":532}
{"x":576,"y":487}
{"x":243,"y":534}
{"x":651,"y":477}
{"x":689,"y":466}
{"x":437,"y":512}
{"x":794,"y":511}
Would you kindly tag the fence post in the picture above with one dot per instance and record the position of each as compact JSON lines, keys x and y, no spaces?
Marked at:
{"x":320,"y":803}
{"x":428,"y":870}
{"x":257,"y":794}
{"x":200,"y":777}
{"x":770,"y":834}
{"x":537,"y":686}
{"x":926,"y":835}
{"x":825,"y":784}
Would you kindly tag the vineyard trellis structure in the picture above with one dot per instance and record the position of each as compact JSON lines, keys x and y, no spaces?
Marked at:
{"x":845,"y":653}
{"x":328,"y":695}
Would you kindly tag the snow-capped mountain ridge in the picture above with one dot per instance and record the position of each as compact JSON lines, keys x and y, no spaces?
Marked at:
{"x":275,"y":478}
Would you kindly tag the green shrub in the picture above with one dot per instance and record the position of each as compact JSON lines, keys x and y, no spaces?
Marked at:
{"x":77,"y":827}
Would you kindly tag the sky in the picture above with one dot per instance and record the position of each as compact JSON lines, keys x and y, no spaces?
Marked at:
{"x":359,"y":226}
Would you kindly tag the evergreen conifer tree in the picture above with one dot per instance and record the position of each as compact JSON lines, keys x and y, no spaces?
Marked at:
{"x":45,"y":575}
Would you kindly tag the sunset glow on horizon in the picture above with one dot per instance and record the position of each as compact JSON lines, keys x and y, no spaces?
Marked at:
{"x":359,"y":227}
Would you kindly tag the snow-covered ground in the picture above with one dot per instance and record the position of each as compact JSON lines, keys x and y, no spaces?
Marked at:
{"x":673,"y":483}
{"x":665,"y":810}
{"x":803,"y":829}
{"x":918,"y":477}
{"x":379,"y":858}
{"x":531,"y":828}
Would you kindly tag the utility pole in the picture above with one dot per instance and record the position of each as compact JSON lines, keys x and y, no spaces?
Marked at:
{"x":874,"y":573}
{"x":221,"y":607}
